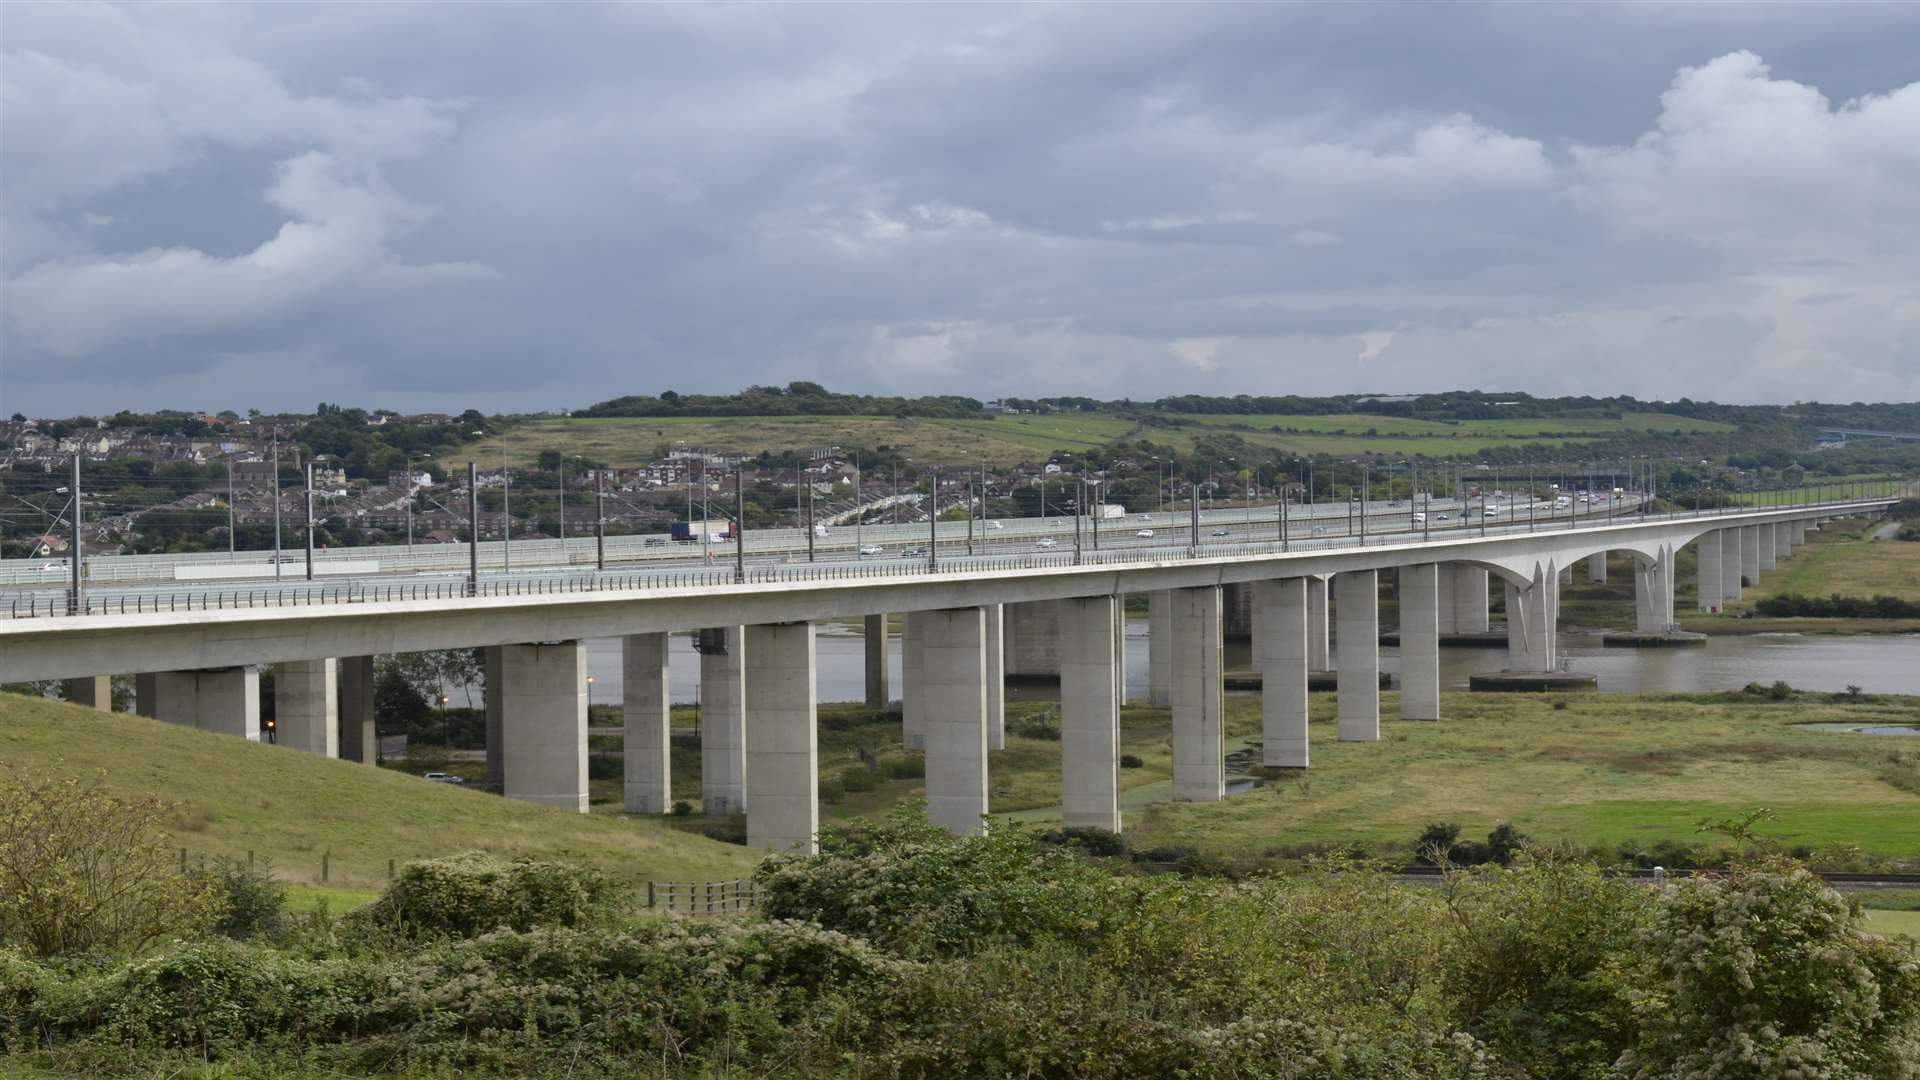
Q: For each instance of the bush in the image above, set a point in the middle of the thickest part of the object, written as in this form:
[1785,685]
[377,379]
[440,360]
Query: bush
[682,808]
[1131,761]
[1837,607]
[1770,973]
[472,893]
[251,902]
[912,767]
[82,870]
[1091,841]
[1035,727]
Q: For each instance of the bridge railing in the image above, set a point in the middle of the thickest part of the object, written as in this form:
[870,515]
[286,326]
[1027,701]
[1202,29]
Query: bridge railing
[346,593]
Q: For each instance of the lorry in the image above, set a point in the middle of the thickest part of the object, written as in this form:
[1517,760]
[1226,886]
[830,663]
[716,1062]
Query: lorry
[714,531]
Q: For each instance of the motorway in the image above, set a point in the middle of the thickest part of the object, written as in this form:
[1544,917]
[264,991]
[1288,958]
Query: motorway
[782,554]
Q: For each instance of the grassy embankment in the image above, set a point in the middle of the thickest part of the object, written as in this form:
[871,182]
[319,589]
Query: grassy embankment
[1361,433]
[235,796]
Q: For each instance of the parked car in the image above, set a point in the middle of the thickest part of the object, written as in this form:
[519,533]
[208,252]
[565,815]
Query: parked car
[1145,534]
[1047,542]
[444,778]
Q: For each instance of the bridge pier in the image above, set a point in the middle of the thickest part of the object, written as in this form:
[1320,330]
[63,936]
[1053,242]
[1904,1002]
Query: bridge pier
[1160,648]
[723,721]
[1236,611]
[1419,642]
[496,771]
[1543,620]
[1319,648]
[1768,553]
[93,691]
[1750,554]
[1357,608]
[1730,572]
[955,715]
[1800,533]
[1090,695]
[1597,568]
[1445,615]
[146,694]
[1653,593]
[359,740]
[1470,601]
[221,700]
[1032,635]
[1280,609]
[913,681]
[783,752]
[997,676]
[306,705]
[646,725]
[1709,575]
[1199,738]
[1782,540]
[874,638]
[543,726]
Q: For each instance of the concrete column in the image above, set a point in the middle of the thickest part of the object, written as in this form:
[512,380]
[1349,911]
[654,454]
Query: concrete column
[1032,633]
[1730,571]
[1236,611]
[496,774]
[1800,533]
[1597,568]
[1160,648]
[1089,715]
[1356,605]
[955,655]
[996,676]
[1319,653]
[1448,615]
[1470,601]
[306,705]
[876,648]
[1750,553]
[1782,540]
[913,682]
[1543,619]
[359,740]
[1199,735]
[1516,627]
[1708,581]
[94,691]
[543,729]
[146,694]
[723,721]
[1768,555]
[783,751]
[222,700]
[646,723]
[1280,609]
[1419,642]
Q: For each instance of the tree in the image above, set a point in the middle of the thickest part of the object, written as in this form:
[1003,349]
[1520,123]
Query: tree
[84,871]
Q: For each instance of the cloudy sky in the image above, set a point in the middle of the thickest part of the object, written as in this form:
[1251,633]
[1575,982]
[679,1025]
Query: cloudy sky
[525,207]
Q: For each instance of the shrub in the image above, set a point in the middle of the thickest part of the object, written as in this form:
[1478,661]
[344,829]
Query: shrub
[1436,842]
[1035,727]
[250,901]
[472,893]
[82,870]
[1131,761]
[1768,973]
[682,808]
[1092,841]
[912,767]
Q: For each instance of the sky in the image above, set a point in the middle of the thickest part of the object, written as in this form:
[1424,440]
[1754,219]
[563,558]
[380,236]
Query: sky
[527,207]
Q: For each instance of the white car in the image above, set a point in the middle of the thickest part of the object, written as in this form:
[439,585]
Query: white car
[993,524]
[1146,517]
[1047,542]
[444,778]
[872,549]
[1145,534]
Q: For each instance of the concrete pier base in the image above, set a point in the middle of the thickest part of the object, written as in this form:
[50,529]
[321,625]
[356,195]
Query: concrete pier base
[646,725]
[1089,714]
[1634,639]
[723,721]
[955,712]
[783,754]
[224,700]
[1199,740]
[1280,607]
[1356,602]
[358,740]
[544,724]
[1419,642]
[306,705]
[1532,681]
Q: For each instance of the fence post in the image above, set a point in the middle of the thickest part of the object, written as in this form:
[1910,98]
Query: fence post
[183,860]
[649,894]
[326,860]
[249,858]
[389,869]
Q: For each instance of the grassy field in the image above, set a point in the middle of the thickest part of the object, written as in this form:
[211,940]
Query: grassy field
[1360,423]
[1864,486]
[235,796]
[1837,559]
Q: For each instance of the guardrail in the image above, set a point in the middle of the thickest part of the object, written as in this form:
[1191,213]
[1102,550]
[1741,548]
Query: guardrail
[46,606]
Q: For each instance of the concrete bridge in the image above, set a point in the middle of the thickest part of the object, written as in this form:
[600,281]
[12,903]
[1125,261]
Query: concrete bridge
[969,623]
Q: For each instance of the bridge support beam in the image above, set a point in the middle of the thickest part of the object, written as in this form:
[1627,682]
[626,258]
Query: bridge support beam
[913,681]
[93,691]
[223,700]
[1750,554]
[723,721]
[1653,593]
[306,705]
[544,724]
[997,675]
[1709,576]
[1199,737]
[875,640]
[1319,647]
[646,725]
[1597,568]
[1730,584]
[359,739]
[1160,648]
[1470,601]
[1280,609]
[1356,604]
[1516,626]
[1769,552]
[1447,617]
[955,714]
[1032,633]
[1543,620]
[783,751]
[1419,642]
[1090,692]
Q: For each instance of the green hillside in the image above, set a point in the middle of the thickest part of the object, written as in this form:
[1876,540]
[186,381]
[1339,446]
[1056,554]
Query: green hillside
[236,796]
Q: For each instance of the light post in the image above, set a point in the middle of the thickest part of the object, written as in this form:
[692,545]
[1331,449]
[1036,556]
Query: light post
[446,731]
[933,520]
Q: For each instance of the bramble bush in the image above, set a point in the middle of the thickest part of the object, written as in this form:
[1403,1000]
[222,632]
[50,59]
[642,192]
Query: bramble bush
[472,893]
